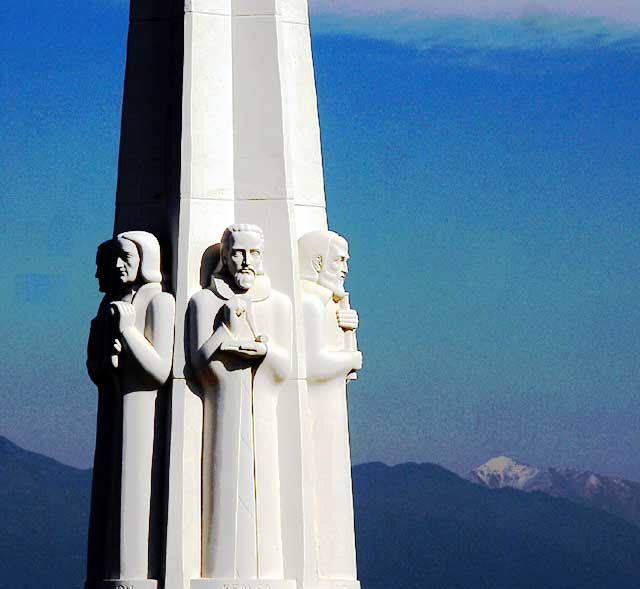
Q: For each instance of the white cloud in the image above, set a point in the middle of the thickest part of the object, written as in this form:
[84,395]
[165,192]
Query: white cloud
[484,24]
[620,11]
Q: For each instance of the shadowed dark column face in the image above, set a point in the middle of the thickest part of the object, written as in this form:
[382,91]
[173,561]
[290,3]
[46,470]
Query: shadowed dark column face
[141,10]
[149,165]
[148,196]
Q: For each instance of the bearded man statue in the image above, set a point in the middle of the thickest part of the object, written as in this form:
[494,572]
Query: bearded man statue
[241,334]
[332,358]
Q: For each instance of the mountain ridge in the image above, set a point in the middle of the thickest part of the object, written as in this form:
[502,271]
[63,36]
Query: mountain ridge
[44,511]
[417,525]
[615,495]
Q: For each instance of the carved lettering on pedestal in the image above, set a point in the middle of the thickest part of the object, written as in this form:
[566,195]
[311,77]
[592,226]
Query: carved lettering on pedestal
[246,586]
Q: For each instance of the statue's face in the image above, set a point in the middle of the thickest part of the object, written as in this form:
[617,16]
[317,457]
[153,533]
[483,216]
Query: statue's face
[127,262]
[243,258]
[334,268]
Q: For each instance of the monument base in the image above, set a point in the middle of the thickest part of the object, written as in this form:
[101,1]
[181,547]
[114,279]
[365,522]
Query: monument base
[338,584]
[128,584]
[242,584]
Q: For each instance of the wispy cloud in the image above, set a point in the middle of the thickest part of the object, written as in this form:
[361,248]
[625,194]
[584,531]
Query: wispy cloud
[620,11]
[539,32]
[484,24]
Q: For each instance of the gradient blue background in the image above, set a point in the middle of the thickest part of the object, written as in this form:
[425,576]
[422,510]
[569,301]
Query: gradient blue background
[486,172]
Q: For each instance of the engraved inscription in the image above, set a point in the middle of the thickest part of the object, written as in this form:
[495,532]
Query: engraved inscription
[246,586]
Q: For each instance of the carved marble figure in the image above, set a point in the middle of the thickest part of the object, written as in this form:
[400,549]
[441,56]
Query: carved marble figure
[98,366]
[241,334]
[129,358]
[332,358]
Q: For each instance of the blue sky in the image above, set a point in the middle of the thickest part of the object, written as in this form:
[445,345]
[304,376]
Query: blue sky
[483,164]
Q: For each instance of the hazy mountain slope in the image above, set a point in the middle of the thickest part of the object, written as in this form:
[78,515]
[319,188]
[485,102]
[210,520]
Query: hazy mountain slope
[418,526]
[423,526]
[613,494]
[44,510]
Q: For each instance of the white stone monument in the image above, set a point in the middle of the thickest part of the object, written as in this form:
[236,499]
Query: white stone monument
[332,359]
[241,352]
[245,477]
[129,358]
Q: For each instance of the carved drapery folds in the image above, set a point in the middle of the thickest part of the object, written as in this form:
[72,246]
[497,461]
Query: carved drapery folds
[332,359]
[240,354]
[241,331]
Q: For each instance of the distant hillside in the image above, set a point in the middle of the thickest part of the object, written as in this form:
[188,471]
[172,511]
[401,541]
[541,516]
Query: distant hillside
[44,511]
[423,526]
[418,526]
[612,494]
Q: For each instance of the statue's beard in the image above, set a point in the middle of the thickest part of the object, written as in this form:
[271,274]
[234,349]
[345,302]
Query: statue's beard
[245,278]
[335,284]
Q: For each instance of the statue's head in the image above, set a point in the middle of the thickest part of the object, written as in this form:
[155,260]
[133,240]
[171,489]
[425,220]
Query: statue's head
[241,250]
[137,258]
[323,259]
[104,267]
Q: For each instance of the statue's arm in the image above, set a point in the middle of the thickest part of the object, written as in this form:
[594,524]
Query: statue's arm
[323,364]
[278,358]
[96,371]
[93,365]
[204,340]
[96,364]
[153,350]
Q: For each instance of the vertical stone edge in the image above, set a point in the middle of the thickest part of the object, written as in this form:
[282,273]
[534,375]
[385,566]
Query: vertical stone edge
[204,208]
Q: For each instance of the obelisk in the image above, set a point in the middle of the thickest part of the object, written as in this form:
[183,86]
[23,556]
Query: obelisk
[220,126]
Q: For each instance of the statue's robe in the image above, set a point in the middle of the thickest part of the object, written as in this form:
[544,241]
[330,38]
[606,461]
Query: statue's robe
[102,374]
[241,516]
[127,429]
[328,364]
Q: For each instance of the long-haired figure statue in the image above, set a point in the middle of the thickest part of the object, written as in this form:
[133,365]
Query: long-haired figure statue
[129,358]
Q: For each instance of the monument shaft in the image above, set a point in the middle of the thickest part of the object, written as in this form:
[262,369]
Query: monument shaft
[220,127]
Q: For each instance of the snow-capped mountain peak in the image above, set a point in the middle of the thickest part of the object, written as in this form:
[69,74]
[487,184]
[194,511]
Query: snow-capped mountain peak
[503,471]
[593,482]
[613,494]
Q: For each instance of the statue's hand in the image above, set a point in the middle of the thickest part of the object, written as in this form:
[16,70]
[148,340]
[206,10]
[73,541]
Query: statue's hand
[234,312]
[348,319]
[124,314]
[357,360]
[245,348]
